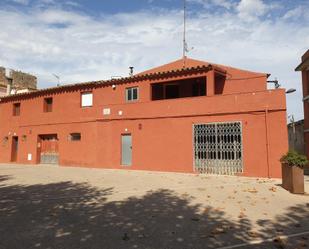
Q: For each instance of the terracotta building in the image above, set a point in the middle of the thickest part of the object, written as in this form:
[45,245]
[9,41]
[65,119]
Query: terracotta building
[303,67]
[185,116]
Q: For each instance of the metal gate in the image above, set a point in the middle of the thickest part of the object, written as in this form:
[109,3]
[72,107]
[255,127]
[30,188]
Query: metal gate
[218,148]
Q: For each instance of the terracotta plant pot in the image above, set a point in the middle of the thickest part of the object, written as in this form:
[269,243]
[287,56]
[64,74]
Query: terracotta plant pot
[293,179]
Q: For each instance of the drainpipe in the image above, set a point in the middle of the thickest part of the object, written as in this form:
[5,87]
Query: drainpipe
[267,143]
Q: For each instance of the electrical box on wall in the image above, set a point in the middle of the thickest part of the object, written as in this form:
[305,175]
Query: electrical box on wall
[106,111]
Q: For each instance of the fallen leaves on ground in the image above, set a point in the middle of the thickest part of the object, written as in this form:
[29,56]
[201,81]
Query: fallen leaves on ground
[241,215]
[253,190]
[206,210]
[253,203]
[273,189]
[219,230]
[219,208]
[253,234]
[280,243]
[201,189]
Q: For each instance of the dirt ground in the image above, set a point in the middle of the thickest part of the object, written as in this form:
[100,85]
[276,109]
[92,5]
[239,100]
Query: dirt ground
[63,208]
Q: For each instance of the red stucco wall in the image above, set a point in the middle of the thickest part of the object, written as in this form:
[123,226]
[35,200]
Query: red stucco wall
[161,130]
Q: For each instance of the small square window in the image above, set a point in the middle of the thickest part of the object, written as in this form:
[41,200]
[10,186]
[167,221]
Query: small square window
[16,109]
[75,136]
[48,104]
[5,141]
[131,94]
[86,99]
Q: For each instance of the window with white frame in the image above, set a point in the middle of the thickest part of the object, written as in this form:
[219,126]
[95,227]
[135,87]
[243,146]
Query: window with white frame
[86,99]
[131,94]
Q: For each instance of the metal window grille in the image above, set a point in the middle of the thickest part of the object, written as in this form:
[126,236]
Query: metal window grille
[218,148]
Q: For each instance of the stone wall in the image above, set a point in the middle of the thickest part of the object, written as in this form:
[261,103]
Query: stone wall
[2,91]
[296,136]
[3,81]
[20,80]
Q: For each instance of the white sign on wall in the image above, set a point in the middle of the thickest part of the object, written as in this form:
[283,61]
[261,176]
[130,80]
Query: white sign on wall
[86,99]
[29,157]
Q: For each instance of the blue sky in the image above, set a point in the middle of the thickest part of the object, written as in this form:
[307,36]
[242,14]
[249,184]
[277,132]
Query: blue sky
[90,40]
[99,7]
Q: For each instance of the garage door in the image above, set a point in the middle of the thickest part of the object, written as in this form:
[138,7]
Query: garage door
[49,149]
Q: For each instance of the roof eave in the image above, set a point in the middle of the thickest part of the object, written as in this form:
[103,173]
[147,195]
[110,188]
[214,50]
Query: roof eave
[94,84]
[303,66]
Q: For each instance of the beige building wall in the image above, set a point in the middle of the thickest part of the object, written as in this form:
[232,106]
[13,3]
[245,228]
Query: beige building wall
[18,80]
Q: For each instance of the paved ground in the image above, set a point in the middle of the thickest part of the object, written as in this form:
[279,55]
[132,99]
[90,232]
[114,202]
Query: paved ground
[55,207]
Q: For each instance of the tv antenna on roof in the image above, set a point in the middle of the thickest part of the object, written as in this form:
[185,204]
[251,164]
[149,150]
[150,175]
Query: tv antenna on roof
[58,79]
[185,48]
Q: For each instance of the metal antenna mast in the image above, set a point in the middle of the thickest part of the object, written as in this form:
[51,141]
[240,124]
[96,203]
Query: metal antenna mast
[184,30]
[58,78]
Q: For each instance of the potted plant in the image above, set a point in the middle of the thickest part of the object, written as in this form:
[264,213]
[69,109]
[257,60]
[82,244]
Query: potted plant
[293,172]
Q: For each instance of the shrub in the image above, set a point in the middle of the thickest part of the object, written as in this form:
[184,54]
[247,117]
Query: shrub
[292,158]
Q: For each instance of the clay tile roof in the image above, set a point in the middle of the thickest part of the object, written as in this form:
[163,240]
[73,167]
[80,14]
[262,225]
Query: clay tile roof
[179,67]
[163,72]
[187,62]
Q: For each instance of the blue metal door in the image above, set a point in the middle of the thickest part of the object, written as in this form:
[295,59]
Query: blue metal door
[126,149]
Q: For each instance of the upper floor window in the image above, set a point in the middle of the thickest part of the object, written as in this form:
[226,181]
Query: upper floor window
[48,104]
[16,109]
[131,94]
[86,99]
[75,136]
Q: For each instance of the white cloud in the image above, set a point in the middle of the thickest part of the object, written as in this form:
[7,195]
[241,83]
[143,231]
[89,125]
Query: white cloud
[297,13]
[249,9]
[210,3]
[79,47]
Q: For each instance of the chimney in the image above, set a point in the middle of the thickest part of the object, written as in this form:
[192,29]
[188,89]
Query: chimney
[9,78]
[131,71]
[8,89]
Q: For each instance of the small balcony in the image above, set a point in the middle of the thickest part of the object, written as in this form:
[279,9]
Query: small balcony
[193,87]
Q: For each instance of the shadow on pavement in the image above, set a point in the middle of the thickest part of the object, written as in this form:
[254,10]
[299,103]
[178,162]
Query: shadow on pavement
[70,215]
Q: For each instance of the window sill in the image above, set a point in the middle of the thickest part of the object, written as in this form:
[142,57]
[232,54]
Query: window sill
[131,101]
